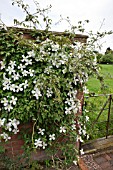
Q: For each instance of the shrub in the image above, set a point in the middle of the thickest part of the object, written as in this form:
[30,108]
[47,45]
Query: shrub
[107,59]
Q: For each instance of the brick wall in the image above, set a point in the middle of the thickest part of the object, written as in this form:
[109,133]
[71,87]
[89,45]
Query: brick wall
[13,147]
[27,34]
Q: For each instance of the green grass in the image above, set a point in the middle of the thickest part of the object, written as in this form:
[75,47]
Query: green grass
[94,104]
[94,85]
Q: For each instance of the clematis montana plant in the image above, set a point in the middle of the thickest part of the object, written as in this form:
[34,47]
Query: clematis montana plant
[42,84]
[39,83]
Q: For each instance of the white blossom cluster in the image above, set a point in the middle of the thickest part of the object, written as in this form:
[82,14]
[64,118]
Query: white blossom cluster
[14,72]
[48,70]
[8,104]
[56,59]
[36,92]
[49,92]
[73,125]
[11,78]
[23,75]
[10,126]
[82,130]
[39,143]
[72,103]
[17,87]
[49,46]
[60,59]
[80,78]
[2,64]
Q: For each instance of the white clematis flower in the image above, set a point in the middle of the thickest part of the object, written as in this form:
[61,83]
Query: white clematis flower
[62,129]
[13,100]
[52,137]
[41,131]
[2,121]
[5,136]
[38,143]
[4,101]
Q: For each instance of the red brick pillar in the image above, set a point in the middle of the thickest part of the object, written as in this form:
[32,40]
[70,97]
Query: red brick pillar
[80,96]
[13,147]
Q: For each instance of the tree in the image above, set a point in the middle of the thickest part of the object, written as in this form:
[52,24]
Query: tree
[107,58]
[108,50]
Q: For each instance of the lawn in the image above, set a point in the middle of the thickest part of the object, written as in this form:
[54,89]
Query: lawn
[94,85]
[94,104]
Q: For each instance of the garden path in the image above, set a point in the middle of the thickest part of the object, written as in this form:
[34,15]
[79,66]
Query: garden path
[98,155]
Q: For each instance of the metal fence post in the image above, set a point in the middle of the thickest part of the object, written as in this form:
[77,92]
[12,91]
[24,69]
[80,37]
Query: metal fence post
[108,119]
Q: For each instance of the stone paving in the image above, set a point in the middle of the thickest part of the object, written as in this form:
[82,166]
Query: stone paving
[98,161]
[98,155]
[105,160]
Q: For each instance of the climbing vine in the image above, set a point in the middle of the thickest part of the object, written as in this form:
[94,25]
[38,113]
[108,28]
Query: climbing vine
[39,83]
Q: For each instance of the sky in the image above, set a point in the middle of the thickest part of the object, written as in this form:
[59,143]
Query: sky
[98,12]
